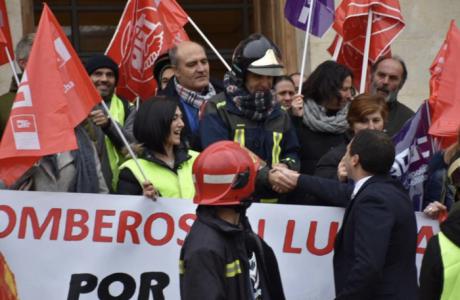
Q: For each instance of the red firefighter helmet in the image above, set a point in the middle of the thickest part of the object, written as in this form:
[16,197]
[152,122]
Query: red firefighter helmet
[224,174]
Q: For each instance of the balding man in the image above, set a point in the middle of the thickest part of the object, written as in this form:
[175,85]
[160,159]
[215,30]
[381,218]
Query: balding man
[388,78]
[191,86]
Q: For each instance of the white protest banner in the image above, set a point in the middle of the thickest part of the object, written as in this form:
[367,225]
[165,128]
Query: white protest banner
[90,246]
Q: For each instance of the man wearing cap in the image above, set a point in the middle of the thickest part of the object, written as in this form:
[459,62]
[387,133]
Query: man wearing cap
[163,71]
[248,113]
[191,86]
[103,71]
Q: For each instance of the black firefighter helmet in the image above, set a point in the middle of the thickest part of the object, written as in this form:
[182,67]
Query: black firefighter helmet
[257,54]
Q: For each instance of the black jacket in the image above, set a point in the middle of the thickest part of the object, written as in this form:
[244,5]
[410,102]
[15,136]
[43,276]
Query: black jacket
[327,165]
[374,252]
[398,114]
[191,138]
[214,261]
[313,145]
[432,271]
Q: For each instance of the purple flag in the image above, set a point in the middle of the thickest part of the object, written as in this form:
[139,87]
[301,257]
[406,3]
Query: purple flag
[296,11]
[414,149]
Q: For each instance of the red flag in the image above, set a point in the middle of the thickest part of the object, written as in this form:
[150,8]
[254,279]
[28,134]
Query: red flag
[351,58]
[147,29]
[48,106]
[351,24]
[5,35]
[445,89]
[3,41]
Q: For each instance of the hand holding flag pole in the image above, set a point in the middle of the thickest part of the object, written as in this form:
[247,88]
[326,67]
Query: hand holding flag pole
[313,16]
[123,138]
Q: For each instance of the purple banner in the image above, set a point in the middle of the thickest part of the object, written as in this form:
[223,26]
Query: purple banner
[414,149]
[297,13]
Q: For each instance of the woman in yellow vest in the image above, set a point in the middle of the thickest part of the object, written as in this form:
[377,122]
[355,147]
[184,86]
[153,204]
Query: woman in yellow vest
[165,159]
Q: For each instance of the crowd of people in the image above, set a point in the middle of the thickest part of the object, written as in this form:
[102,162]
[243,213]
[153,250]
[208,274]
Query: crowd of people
[324,146]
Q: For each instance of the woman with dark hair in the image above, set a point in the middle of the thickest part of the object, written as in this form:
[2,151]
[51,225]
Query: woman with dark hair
[167,163]
[320,119]
[365,112]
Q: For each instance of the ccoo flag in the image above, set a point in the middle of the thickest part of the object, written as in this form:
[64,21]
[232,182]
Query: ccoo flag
[297,11]
[46,108]
[147,29]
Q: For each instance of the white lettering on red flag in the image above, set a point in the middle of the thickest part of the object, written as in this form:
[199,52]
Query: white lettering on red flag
[25,132]
[55,95]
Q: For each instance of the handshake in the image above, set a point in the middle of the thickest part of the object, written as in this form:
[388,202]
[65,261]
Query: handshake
[282,179]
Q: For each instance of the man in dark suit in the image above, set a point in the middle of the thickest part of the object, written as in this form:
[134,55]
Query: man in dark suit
[374,254]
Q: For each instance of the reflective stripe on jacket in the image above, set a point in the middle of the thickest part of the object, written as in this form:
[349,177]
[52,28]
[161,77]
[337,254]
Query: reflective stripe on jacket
[117,111]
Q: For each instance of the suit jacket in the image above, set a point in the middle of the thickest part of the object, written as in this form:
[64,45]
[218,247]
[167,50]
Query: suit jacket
[374,252]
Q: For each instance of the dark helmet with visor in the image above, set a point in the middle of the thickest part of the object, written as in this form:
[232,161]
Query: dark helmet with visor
[257,54]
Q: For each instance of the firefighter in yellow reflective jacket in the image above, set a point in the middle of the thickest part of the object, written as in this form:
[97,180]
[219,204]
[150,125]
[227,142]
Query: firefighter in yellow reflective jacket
[222,258]
[247,112]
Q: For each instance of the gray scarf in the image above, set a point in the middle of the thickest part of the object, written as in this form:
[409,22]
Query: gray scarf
[315,118]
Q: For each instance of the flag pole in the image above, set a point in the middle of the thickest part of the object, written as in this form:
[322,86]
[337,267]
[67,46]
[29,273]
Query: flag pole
[209,43]
[338,47]
[125,141]
[362,87]
[428,112]
[13,69]
[138,101]
[305,45]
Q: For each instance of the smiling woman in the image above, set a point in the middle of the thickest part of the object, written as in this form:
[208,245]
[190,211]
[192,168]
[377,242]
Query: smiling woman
[166,161]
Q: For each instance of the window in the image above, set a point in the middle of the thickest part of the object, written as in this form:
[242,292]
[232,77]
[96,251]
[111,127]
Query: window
[90,24]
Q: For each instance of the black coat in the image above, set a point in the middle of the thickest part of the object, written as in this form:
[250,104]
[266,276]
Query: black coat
[208,261]
[398,114]
[313,144]
[374,252]
[327,165]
